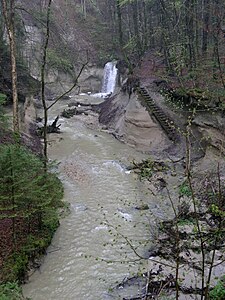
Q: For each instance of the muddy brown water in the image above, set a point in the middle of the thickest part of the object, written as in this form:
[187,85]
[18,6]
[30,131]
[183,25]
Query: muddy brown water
[102,195]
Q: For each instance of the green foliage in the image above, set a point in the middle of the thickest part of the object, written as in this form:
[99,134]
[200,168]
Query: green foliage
[184,190]
[25,188]
[2,98]
[30,195]
[15,266]
[4,51]
[56,61]
[217,211]
[50,221]
[11,291]
[218,292]
[35,245]
[2,117]
[146,173]
[148,167]
[183,221]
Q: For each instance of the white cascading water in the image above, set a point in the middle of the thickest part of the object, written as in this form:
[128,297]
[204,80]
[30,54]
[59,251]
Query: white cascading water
[109,80]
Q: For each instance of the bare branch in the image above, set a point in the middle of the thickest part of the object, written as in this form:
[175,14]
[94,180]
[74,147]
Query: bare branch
[71,88]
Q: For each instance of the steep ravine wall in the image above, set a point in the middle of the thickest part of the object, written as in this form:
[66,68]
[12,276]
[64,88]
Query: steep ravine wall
[132,124]
[127,119]
[58,81]
[71,45]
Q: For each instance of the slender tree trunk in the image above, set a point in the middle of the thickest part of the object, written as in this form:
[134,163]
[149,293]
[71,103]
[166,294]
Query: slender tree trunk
[205,29]
[119,17]
[165,35]
[43,69]
[145,30]
[216,37]
[136,27]
[12,196]
[197,23]
[9,17]
[189,28]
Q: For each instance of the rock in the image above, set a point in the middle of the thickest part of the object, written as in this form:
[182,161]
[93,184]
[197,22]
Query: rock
[37,103]
[142,207]
[130,122]
[80,207]
[68,113]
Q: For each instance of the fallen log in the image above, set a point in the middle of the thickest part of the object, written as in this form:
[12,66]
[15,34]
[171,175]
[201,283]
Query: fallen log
[52,128]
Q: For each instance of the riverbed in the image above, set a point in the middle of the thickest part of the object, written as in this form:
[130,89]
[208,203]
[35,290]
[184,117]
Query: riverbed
[92,249]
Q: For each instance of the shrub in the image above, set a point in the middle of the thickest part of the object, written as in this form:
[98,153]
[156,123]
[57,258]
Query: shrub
[29,199]
[184,190]
[34,191]
[11,291]
[218,292]
[15,267]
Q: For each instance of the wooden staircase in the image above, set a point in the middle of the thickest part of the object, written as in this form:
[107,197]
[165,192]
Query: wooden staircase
[166,123]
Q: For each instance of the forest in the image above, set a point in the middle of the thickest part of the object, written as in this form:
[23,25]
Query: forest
[181,43]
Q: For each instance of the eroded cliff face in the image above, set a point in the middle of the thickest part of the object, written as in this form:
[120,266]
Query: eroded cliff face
[74,41]
[127,119]
[131,123]
[125,116]
[57,80]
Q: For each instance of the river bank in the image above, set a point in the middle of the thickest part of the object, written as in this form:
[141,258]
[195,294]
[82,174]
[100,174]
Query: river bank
[97,184]
[77,148]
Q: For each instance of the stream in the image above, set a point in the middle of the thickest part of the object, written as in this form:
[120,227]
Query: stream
[85,258]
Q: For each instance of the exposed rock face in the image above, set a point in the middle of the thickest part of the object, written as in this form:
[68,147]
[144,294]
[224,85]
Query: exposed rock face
[57,80]
[91,79]
[28,125]
[70,46]
[131,123]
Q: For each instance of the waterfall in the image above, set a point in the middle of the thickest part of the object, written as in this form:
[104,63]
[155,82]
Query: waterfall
[109,80]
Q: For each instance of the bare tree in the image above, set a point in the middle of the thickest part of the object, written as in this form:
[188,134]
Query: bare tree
[43,83]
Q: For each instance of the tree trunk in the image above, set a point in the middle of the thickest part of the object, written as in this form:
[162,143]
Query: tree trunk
[189,29]
[205,29]
[9,16]
[120,32]
[134,6]
[43,68]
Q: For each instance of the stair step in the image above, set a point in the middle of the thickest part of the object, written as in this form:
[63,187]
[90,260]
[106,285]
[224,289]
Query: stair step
[162,118]
[161,114]
[162,121]
[166,123]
